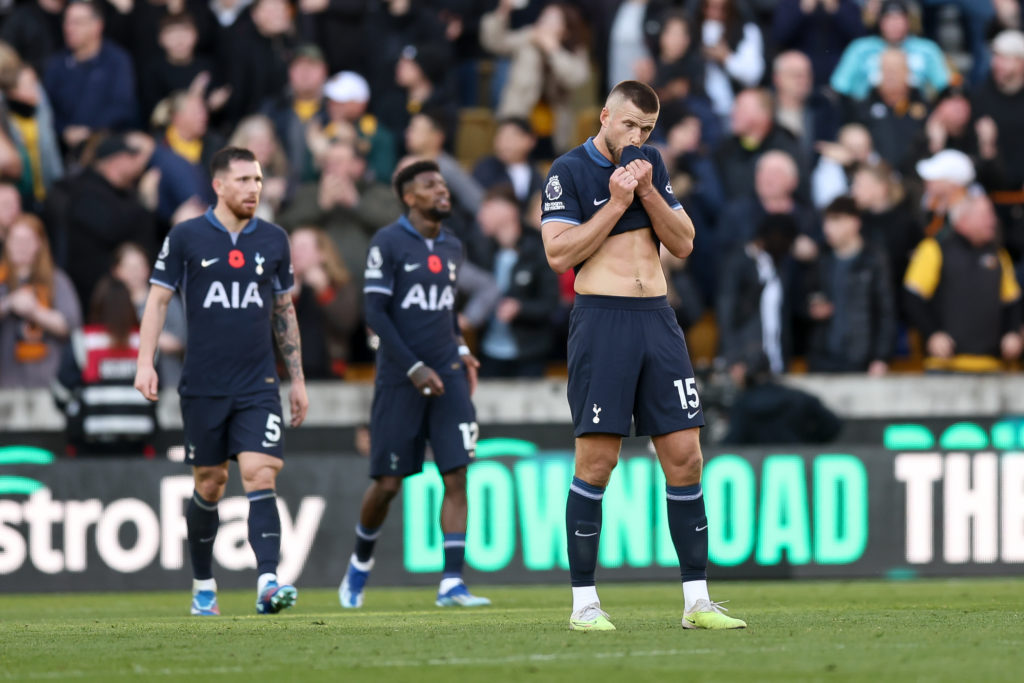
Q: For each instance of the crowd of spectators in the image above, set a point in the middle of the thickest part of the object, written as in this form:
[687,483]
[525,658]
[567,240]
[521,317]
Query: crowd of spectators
[854,168]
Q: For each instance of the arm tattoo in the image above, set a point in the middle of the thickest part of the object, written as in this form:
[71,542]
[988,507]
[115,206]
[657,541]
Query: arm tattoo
[286,334]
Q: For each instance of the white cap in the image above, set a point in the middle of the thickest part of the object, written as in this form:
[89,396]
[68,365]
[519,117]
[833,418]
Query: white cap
[949,164]
[1009,43]
[347,86]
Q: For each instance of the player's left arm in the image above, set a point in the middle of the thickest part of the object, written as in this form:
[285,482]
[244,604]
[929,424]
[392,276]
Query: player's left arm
[286,334]
[670,222]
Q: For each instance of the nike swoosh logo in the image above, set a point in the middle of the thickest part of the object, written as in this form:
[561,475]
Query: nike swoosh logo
[268,444]
[206,263]
[594,533]
[690,416]
[599,203]
[701,528]
[409,267]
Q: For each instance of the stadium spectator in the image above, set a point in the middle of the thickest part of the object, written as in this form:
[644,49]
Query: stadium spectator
[948,180]
[756,298]
[677,69]
[893,112]
[422,74]
[91,83]
[851,299]
[346,203]
[178,67]
[861,67]
[628,55]
[99,211]
[1000,99]
[733,50]
[38,307]
[975,17]
[256,134]
[187,135]
[33,29]
[549,62]
[962,295]
[327,304]
[510,164]
[302,103]
[516,341]
[821,29]
[425,137]
[754,132]
[31,124]
[768,412]
[887,220]
[94,382]
[837,160]
[1007,14]
[131,266]
[347,96]
[266,37]
[805,112]
[775,192]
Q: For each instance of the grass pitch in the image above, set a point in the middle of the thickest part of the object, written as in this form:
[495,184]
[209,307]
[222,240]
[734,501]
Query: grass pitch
[933,630]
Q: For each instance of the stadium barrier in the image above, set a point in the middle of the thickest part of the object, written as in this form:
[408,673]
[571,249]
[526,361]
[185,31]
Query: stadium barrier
[951,504]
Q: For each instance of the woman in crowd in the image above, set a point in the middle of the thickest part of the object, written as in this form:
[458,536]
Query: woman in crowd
[38,307]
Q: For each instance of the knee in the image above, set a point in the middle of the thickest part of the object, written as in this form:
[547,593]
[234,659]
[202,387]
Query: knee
[387,487]
[210,484]
[686,468]
[260,479]
[455,483]
[596,471]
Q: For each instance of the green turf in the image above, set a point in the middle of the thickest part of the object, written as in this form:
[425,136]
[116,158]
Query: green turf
[956,630]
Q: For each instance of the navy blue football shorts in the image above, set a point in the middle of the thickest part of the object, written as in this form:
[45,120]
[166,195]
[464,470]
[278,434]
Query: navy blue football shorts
[220,427]
[628,360]
[402,421]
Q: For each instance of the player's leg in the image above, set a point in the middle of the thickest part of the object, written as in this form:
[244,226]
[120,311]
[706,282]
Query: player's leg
[668,406]
[202,521]
[452,431]
[259,479]
[372,513]
[206,450]
[396,451]
[596,457]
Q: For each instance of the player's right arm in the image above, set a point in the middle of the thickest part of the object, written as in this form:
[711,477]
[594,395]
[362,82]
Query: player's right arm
[568,244]
[153,318]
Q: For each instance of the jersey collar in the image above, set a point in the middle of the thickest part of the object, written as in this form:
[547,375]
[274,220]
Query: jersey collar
[404,221]
[595,155]
[249,227]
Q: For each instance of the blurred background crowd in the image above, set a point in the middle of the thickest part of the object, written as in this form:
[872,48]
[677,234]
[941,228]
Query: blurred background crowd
[854,168]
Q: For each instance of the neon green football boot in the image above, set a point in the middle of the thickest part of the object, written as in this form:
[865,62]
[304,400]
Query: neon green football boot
[710,615]
[590,618]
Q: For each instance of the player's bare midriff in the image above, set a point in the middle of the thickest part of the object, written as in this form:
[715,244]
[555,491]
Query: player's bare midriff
[626,264]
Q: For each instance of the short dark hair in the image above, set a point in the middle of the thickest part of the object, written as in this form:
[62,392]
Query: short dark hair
[842,206]
[179,19]
[640,94]
[94,8]
[405,175]
[222,159]
[520,122]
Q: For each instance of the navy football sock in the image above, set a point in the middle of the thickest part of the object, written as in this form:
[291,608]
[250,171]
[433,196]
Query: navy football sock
[454,555]
[264,529]
[366,539]
[583,530]
[688,526]
[202,520]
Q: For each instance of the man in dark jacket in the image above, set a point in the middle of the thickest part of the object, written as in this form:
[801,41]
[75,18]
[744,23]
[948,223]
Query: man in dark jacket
[517,339]
[1000,100]
[301,104]
[852,303]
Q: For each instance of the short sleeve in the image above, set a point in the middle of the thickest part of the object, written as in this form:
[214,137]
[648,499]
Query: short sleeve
[170,262]
[284,276]
[379,277]
[661,180]
[561,202]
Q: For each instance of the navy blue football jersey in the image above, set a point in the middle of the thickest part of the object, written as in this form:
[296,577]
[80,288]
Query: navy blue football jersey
[419,277]
[228,283]
[577,188]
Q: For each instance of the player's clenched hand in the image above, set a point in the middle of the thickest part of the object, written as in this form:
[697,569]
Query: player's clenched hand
[147,382]
[643,172]
[472,368]
[427,382]
[299,402]
[621,186]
